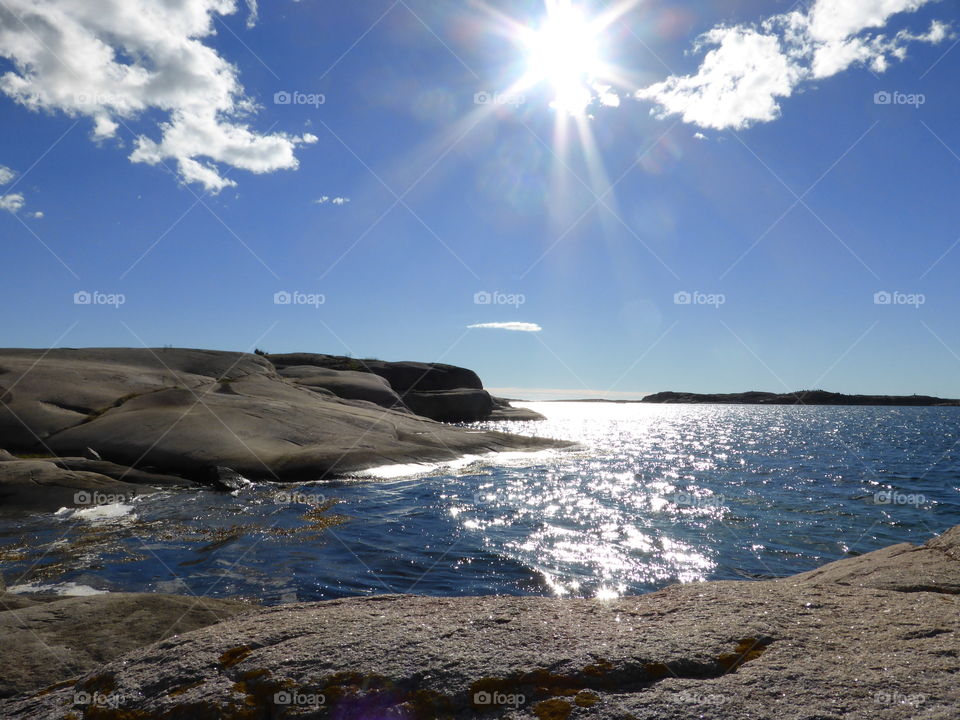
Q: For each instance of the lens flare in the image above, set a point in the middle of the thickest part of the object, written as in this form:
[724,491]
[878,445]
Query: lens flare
[560,61]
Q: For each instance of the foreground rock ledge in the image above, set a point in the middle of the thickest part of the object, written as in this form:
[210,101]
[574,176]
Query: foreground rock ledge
[869,637]
[48,639]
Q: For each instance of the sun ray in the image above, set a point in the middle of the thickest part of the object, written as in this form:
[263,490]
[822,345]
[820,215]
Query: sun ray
[562,59]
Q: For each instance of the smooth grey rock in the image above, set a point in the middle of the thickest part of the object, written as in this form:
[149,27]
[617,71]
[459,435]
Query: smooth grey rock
[10,601]
[121,472]
[403,376]
[515,414]
[41,485]
[504,410]
[49,641]
[426,377]
[186,410]
[440,392]
[461,405]
[268,429]
[779,650]
[5,456]
[346,384]
[904,567]
[61,388]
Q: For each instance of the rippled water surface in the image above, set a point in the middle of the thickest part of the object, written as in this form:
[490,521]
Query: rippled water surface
[653,495]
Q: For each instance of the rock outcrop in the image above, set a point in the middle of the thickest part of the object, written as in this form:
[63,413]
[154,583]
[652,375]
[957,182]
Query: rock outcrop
[173,412]
[843,642]
[47,640]
[346,384]
[46,485]
[446,393]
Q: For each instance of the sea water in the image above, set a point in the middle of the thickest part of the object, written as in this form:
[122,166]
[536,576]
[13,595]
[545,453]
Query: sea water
[651,495]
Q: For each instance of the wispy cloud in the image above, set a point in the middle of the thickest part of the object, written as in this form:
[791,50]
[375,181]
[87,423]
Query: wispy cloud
[514,326]
[327,200]
[750,68]
[253,14]
[117,60]
[6,174]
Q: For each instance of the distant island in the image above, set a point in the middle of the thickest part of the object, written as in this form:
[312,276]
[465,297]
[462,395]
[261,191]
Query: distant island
[756,397]
[802,397]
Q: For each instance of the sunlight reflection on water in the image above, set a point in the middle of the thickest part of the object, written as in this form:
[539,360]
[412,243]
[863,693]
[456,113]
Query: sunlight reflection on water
[662,493]
[652,495]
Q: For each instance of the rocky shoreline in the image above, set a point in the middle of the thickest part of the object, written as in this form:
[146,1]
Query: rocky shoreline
[121,421]
[871,636]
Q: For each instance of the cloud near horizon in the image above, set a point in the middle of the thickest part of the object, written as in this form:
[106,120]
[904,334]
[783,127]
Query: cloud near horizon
[116,60]
[750,68]
[514,326]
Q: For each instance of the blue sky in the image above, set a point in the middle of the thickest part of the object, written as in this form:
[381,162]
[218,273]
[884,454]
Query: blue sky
[756,174]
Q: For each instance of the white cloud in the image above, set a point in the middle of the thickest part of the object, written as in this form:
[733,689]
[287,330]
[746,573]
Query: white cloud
[515,326]
[738,82]
[12,202]
[38,214]
[254,13]
[326,199]
[115,60]
[750,68]
[607,96]
[699,136]
[839,19]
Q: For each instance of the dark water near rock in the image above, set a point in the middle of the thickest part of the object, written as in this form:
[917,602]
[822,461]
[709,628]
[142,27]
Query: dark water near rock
[655,495]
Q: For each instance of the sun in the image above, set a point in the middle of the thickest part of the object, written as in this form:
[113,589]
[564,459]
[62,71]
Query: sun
[564,52]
